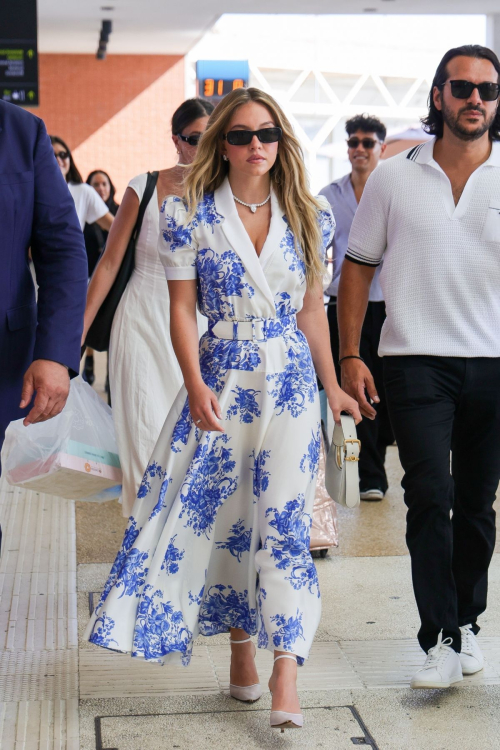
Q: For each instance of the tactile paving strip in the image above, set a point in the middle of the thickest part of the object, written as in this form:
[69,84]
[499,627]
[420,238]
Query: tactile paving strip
[38,622]
[104,674]
[37,571]
[38,675]
[39,725]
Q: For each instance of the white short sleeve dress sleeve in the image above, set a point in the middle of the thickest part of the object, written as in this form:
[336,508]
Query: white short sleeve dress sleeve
[176,243]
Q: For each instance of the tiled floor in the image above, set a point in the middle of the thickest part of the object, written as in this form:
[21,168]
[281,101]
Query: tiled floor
[38,623]
[56,693]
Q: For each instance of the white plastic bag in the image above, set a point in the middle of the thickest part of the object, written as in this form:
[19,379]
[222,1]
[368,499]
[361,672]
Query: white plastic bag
[73,455]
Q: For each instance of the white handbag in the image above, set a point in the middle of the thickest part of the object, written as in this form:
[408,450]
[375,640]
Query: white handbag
[341,470]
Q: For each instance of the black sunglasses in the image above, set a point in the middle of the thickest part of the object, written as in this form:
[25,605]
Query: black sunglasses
[488,92]
[61,155]
[366,142]
[244,137]
[193,140]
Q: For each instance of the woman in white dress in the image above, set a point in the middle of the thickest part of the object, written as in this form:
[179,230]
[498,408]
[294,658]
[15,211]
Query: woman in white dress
[144,375]
[218,539]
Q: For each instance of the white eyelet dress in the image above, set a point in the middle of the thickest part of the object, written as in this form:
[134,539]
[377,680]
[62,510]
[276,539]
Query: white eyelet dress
[219,534]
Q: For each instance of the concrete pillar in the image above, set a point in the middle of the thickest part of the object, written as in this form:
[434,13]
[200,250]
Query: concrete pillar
[493,32]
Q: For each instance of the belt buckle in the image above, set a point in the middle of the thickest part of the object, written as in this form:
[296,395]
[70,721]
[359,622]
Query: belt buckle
[263,330]
[352,441]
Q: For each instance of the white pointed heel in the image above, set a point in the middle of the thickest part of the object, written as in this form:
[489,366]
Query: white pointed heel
[248,693]
[282,719]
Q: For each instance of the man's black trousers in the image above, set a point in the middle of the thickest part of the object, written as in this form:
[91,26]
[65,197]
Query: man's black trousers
[375,435]
[438,405]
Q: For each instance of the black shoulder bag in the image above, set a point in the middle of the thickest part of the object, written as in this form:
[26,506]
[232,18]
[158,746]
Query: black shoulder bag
[99,332]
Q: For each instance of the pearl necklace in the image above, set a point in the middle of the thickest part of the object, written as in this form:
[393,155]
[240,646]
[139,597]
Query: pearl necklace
[252,206]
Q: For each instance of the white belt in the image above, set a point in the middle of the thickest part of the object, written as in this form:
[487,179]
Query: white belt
[258,329]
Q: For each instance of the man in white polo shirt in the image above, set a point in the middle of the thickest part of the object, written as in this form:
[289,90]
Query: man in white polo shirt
[433,215]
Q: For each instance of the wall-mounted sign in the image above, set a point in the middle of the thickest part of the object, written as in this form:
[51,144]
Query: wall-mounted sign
[19,53]
[216,78]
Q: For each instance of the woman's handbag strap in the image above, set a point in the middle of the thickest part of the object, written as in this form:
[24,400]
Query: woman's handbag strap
[151,181]
[352,448]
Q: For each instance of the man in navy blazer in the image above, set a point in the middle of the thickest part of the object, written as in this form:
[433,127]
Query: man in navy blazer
[39,342]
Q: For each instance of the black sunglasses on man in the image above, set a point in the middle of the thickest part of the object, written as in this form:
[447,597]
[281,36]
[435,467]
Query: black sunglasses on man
[488,91]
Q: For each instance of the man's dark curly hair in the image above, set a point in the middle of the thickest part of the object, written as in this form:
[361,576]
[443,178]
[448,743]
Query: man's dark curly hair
[367,124]
[433,123]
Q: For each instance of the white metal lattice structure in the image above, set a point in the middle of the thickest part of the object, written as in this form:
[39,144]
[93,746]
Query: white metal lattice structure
[318,103]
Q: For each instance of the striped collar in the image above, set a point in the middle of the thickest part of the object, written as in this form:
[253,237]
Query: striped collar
[423,153]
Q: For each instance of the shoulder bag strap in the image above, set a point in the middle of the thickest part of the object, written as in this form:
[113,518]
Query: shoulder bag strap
[148,194]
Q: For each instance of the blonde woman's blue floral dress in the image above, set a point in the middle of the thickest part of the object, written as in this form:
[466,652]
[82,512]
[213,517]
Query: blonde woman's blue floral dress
[219,533]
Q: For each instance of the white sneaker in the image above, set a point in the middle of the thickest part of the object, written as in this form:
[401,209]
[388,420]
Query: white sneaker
[442,667]
[471,657]
[372,495]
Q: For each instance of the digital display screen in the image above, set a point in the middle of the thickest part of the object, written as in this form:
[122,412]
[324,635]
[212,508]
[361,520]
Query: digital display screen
[19,52]
[211,88]
[216,78]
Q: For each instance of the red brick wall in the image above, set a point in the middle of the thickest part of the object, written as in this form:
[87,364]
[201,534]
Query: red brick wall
[113,113]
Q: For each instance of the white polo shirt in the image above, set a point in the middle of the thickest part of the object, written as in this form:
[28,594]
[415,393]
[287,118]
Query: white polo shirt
[441,271]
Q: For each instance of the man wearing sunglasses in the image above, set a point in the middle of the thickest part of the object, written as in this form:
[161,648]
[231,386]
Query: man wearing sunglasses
[433,214]
[365,146]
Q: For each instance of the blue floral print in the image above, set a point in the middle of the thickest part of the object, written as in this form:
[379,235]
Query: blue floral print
[223,607]
[245,404]
[327,225]
[206,213]
[152,471]
[284,305]
[102,629]
[173,556]
[288,631]
[290,550]
[238,541]
[160,629]
[182,428]
[220,277]
[310,459]
[218,356]
[293,254]
[262,637]
[178,234]
[131,534]
[198,556]
[196,598]
[133,573]
[296,385]
[161,496]
[207,484]
[260,475]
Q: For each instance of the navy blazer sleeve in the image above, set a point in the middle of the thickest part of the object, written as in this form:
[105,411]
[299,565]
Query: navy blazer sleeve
[60,260]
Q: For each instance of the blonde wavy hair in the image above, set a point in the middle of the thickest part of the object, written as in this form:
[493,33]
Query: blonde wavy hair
[288,175]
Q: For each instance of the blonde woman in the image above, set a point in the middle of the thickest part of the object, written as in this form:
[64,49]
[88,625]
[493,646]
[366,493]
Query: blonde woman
[219,535]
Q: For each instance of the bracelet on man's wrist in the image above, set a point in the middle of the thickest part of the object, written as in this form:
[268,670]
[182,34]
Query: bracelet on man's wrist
[351,356]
